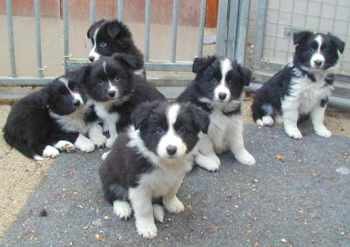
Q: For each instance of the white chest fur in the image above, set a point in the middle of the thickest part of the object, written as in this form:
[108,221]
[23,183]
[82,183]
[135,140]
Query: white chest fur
[73,122]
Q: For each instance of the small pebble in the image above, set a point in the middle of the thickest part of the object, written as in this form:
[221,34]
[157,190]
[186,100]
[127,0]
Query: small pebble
[283,240]
[43,213]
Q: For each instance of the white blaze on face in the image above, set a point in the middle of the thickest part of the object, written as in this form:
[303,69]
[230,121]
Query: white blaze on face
[317,56]
[76,96]
[93,53]
[111,88]
[170,138]
[222,92]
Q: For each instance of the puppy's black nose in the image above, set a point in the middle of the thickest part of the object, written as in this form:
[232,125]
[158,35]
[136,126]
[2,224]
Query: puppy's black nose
[171,150]
[91,58]
[222,96]
[77,103]
[318,63]
[111,93]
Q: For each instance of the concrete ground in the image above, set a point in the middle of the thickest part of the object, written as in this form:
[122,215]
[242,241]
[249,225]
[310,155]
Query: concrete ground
[288,174]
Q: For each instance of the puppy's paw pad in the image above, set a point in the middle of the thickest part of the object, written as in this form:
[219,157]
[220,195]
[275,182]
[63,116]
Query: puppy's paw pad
[174,205]
[50,152]
[122,209]
[158,212]
[65,146]
[146,230]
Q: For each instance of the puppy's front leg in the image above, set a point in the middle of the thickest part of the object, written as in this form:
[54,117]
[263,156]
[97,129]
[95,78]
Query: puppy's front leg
[141,202]
[290,119]
[317,118]
[205,156]
[171,202]
[235,135]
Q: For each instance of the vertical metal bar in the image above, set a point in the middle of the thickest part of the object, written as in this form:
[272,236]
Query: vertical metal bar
[203,9]
[232,28]
[38,37]
[9,10]
[120,9]
[242,30]
[92,11]
[260,30]
[176,8]
[148,16]
[66,32]
[221,34]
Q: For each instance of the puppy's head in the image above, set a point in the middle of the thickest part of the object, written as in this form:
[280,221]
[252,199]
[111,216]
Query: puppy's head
[107,38]
[220,79]
[111,78]
[317,51]
[169,130]
[64,94]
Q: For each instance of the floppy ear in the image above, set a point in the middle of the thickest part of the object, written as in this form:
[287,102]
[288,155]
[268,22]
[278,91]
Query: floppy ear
[338,42]
[142,112]
[201,63]
[113,29]
[131,61]
[92,28]
[79,75]
[246,74]
[200,118]
[299,37]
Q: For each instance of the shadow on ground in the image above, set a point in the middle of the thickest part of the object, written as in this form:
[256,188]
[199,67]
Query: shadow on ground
[293,197]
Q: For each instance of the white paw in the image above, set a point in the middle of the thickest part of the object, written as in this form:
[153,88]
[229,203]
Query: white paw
[99,140]
[50,152]
[158,212]
[65,146]
[260,123]
[294,133]
[146,229]
[122,209]
[323,131]
[267,121]
[245,158]
[110,141]
[84,144]
[174,205]
[211,163]
[38,157]
[104,155]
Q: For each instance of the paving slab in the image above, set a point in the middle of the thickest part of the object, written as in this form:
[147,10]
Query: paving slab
[298,194]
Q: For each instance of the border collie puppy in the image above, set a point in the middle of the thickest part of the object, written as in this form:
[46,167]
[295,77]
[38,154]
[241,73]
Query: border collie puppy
[33,126]
[302,87]
[150,160]
[218,89]
[114,91]
[111,36]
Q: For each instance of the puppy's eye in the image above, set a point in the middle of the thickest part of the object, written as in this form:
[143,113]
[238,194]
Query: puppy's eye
[103,45]
[159,131]
[116,79]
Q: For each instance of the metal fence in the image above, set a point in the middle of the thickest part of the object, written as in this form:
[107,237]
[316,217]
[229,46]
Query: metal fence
[230,39]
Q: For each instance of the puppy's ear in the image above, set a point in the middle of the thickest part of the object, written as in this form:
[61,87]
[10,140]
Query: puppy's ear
[299,37]
[201,63]
[131,61]
[113,28]
[93,27]
[338,42]
[79,75]
[200,118]
[246,74]
[142,112]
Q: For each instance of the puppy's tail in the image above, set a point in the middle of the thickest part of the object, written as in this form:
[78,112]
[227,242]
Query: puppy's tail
[18,144]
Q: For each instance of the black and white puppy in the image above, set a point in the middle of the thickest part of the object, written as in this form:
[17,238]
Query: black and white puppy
[114,91]
[111,36]
[150,160]
[302,87]
[34,126]
[218,89]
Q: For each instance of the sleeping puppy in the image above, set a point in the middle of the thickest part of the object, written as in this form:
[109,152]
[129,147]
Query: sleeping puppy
[112,36]
[218,89]
[149,161]
[114,91]
[34,126]
[302,87]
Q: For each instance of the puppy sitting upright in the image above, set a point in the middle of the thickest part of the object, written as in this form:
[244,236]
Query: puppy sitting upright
[114,91]
[218,89]
[302,87]
[150,161]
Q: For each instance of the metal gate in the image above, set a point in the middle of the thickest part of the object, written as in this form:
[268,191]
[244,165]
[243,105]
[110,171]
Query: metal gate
[230,37]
